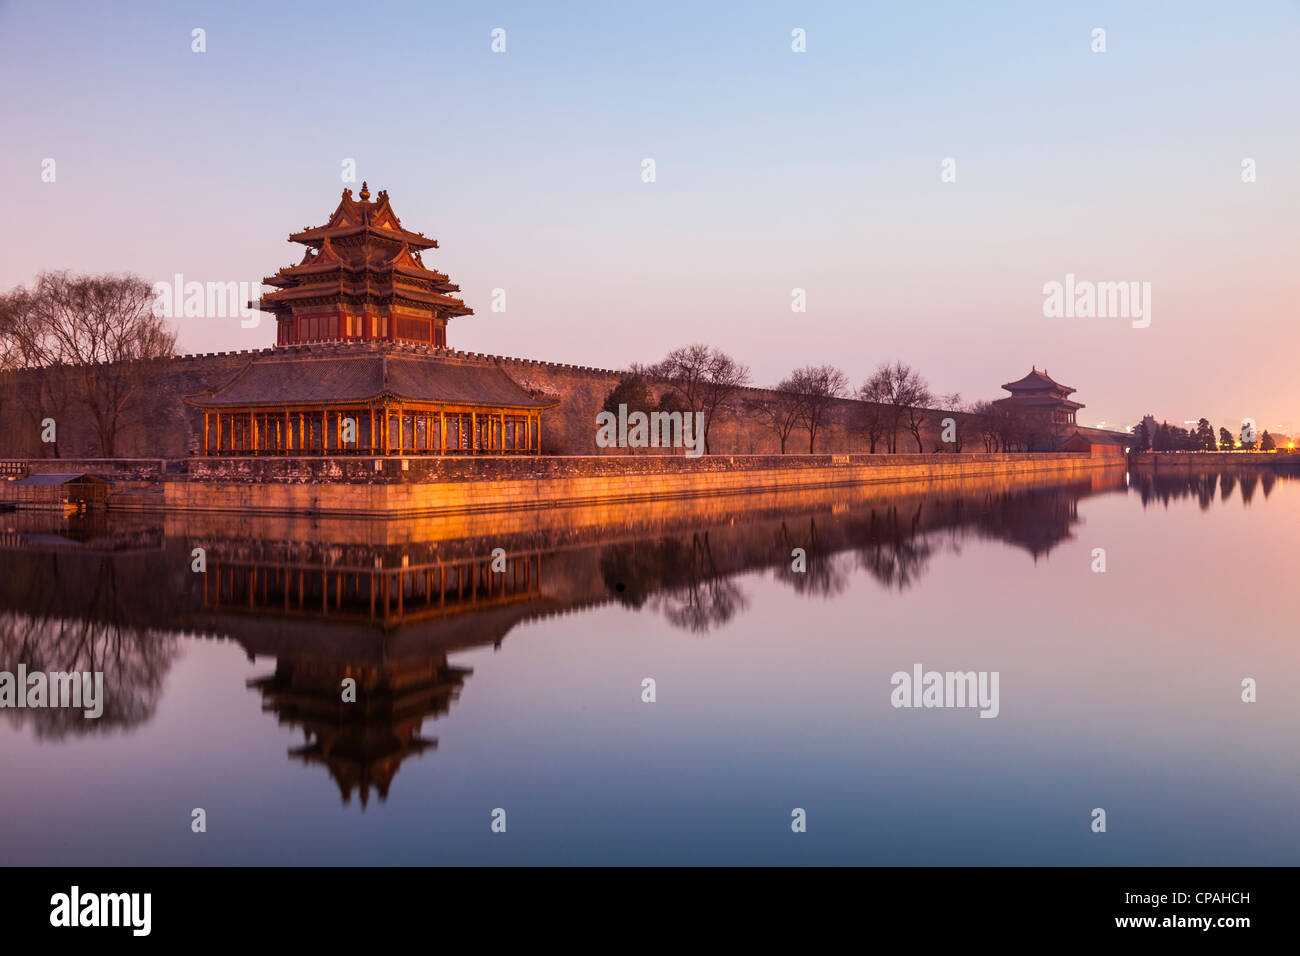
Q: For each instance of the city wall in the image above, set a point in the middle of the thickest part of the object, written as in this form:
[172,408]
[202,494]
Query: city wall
[1215,459]
[156,423]
[395,487]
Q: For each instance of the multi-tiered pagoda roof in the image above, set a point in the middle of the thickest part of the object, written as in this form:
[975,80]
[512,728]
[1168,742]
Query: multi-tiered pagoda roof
[361,278]
[1038,394]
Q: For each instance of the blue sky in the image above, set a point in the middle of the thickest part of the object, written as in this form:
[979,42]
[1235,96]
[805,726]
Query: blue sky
[775,170]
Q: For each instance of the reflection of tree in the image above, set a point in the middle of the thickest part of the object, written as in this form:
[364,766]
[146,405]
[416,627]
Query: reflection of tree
[1205,487]
[826,574]
[1267,480]
[133,661]
[894,553]
[678,577]
[1164,486]
[78,617]
[1248,483]
[701,605]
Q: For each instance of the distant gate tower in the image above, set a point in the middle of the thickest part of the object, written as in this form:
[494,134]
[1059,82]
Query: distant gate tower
[362,279]
[1042,398]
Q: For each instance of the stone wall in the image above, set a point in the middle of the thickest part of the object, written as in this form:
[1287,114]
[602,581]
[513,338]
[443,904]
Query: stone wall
[433,486]
[154,423]
[157,423]
[1217,459]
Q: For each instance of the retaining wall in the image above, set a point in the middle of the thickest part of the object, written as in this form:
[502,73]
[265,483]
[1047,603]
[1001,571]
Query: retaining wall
[332,486]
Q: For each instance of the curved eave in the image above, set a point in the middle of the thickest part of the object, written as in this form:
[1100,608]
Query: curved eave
[321,233]
[211,404]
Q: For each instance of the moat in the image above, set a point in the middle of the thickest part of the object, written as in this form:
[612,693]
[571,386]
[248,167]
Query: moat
[514,680]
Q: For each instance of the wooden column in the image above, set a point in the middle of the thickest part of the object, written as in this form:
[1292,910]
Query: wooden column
[474,440]
[252,433]
[205,433]
[372,429]
[442,431]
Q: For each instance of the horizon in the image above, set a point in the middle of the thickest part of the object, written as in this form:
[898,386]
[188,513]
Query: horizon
[775,171]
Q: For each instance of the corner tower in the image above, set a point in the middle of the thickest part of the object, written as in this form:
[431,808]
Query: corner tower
[362,278]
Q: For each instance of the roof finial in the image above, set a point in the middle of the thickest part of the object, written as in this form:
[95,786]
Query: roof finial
[365,192]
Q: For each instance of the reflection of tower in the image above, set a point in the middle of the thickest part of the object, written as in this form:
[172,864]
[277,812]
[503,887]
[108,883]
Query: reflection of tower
[381,619]
[1038,521]
[362,744]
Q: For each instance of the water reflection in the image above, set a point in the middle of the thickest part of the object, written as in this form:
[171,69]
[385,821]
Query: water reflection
[361,744]
[384,603]
[1164,486]
[74,597]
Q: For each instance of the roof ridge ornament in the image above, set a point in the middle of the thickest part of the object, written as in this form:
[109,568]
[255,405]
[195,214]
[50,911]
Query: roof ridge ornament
[365,191]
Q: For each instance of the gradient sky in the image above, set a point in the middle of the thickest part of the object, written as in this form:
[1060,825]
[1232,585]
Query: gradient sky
[775,170]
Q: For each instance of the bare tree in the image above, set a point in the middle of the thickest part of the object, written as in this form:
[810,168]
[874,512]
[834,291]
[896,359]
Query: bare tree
[918,402]
[705,377]
[906,396]
[633,392]
[779,411]
[984,417]
[29,344]
[816,388]
[873,417]
[1017,430]
[952,404]
[879,388]
[102,327]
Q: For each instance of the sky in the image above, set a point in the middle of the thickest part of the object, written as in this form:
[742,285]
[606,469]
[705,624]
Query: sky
[775,170]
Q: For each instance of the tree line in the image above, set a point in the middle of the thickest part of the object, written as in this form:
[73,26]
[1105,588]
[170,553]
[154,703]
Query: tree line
[894,408]
[1148,436]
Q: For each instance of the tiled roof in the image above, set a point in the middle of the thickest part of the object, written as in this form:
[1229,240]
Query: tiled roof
[362,378]
[1038,401]
[1036,380]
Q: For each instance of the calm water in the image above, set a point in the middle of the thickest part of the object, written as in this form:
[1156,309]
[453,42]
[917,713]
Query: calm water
[523,690]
